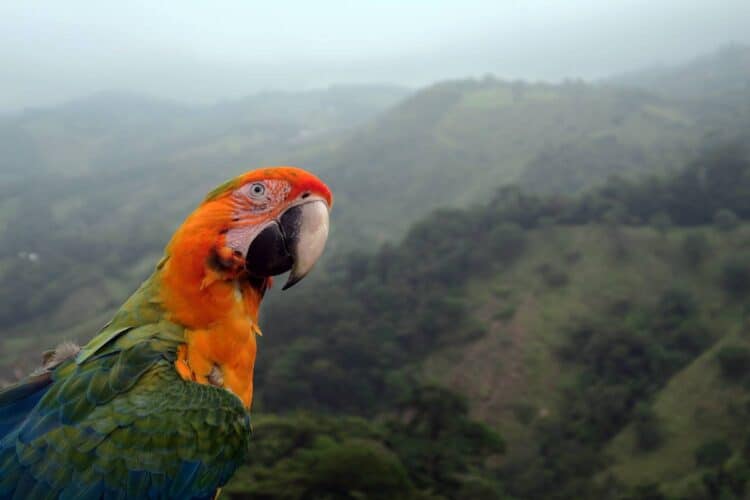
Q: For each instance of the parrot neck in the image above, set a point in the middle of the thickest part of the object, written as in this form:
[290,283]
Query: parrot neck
[217,306]
[201,280]
[197,295]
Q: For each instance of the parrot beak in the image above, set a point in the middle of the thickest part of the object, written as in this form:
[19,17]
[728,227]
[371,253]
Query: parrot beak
[292,243]
[306,229]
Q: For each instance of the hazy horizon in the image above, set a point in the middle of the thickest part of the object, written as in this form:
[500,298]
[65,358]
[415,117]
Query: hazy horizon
[197,55]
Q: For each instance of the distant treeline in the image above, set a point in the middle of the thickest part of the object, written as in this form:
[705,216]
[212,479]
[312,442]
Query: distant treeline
[718,182]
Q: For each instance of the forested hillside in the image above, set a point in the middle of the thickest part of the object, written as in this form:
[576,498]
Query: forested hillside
[453,143]
[602,336]
[115,132]
[530,290]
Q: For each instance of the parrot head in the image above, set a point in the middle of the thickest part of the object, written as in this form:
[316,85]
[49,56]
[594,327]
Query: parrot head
[260,224]
[276,220]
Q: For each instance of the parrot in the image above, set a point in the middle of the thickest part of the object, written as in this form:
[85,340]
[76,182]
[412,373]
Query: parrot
[157,404]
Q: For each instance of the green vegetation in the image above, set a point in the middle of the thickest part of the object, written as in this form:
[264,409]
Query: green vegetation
[580,335]
[453,143]
[648,430]
[696,248]
[426,448]
[713,453]
[734,361]
[735,276]
[622,364]
[609,316]
[726,220]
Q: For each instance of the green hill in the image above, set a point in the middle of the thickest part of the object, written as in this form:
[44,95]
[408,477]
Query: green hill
[602,336]
[453,143]
[516,379]
[713,89]
[699,405]
[117,132]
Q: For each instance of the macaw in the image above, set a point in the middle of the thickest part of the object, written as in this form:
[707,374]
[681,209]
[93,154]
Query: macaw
[157,404]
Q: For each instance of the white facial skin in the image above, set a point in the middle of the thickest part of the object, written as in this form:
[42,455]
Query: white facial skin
[252,202]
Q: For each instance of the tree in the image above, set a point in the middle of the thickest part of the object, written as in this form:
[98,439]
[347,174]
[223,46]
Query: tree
[734,361]
[437,441]
[712,453]
[735,277]
[661,221]
[352,469]
[726,220]
[696,247]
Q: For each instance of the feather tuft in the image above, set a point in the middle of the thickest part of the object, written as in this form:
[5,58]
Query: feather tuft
[57,356]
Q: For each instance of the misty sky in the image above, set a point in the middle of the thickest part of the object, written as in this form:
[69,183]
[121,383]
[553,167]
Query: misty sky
[200,51]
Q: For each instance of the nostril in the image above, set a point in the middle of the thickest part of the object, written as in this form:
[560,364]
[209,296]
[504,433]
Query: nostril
[305,195]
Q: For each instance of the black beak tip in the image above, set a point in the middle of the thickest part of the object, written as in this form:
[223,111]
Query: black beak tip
[293,280]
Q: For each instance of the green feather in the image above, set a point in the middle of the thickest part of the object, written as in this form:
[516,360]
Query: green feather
[118,420]
[105,336]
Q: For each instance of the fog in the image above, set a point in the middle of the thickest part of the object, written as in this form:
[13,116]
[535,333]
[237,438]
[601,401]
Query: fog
[193,52]
[530,289]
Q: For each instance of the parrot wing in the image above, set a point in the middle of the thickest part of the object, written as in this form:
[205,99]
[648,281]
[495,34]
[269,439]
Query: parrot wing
[18,400]
[120,423]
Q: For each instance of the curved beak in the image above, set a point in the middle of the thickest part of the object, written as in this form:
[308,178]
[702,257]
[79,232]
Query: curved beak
[292,243]
[306,230]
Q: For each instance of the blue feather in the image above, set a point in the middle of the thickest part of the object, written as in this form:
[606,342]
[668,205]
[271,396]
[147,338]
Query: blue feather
[18,400]
[184,480]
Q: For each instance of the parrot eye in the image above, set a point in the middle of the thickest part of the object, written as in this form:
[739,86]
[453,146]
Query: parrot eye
[257,190]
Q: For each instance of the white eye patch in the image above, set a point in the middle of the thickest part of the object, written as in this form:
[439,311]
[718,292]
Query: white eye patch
[262,196]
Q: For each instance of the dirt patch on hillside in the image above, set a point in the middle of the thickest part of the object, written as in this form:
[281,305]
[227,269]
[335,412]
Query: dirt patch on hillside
[491,371]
